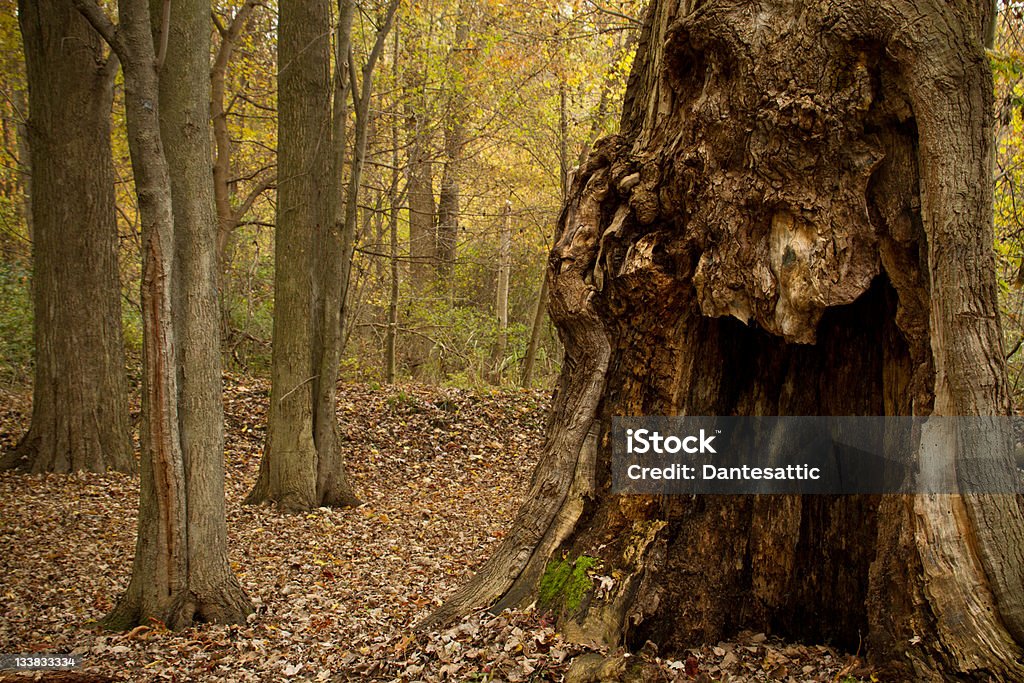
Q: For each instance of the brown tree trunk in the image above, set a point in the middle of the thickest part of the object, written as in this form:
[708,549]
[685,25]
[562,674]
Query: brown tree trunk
[422,211]
[180,574]
[420,199]
[227,218]
[288,470]
[214,593]
[539,313]
[24,161]
[394,202]
[80,396]
[501,303]
[302,467]
[448,208]
[795,219]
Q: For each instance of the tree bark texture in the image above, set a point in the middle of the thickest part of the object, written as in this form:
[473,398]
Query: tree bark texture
[180,573]
[288,471]
[420,192]
[302,466]
[795,219]
[215,594]
[501,303]
[80,395]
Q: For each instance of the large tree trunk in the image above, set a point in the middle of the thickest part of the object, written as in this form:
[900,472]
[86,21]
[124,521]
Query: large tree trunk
[214,593]
[288,471]
[180,574]
[80,397]
[795,219]
[302,467]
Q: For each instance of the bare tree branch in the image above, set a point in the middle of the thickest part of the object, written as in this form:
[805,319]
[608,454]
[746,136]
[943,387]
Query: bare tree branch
[95,15]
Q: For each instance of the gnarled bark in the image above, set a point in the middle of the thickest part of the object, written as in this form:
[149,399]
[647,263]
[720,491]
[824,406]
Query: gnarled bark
[795,219]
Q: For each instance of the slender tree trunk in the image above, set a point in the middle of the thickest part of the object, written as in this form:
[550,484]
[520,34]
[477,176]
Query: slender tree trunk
[454,140]
[334,240]
[180,573]
[420,198]
[228,215]
[504,266]
[539,312]
[795,219]
[390,356]
[80,401]
[422,209]
[540,309]
[25,162]
[227,219]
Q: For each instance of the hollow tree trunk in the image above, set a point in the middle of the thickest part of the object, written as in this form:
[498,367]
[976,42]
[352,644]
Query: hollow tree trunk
[180,572]
[80,395]
[795,219]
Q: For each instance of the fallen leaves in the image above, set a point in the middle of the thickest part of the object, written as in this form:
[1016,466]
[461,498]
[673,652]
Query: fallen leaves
[325,584]
[336,592]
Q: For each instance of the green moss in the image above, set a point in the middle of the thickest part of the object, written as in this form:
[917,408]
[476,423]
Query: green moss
[552,582]
[566,583]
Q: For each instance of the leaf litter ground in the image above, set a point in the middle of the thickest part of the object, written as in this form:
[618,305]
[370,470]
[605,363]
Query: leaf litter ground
[441,473]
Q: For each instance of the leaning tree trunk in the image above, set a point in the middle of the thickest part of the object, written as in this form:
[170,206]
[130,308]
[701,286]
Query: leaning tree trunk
[795,219]
[80,395]
[180,573]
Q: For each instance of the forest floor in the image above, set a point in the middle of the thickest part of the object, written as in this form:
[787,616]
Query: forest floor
[441,473]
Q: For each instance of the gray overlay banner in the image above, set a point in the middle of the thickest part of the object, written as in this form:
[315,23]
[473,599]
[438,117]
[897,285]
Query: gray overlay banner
[814,455]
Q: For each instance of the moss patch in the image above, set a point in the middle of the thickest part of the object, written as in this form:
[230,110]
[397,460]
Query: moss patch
[566,583]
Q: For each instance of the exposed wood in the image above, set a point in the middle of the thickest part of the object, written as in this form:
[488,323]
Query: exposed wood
[180,572]
[793,220]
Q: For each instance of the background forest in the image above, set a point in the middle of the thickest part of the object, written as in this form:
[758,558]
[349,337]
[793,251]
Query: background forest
[478,112]
[491,105]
